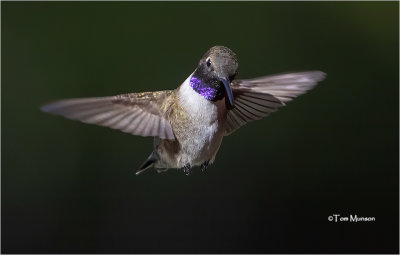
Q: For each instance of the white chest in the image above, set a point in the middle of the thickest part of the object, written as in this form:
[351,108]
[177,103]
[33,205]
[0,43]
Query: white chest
[205,129]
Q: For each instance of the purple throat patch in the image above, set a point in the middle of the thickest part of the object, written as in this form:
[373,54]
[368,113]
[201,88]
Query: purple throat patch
[203,89]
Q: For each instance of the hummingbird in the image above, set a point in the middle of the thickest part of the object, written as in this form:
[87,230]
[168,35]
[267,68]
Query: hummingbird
[189,122]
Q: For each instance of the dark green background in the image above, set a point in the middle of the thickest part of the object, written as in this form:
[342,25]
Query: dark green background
[70,187]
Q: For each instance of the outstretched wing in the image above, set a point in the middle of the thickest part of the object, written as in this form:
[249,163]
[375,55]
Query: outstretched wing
[257,98]
[136,113]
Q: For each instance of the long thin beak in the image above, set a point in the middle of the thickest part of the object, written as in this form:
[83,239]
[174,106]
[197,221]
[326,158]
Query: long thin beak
[228,92]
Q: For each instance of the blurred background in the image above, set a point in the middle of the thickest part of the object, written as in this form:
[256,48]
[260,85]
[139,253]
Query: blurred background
[68,187]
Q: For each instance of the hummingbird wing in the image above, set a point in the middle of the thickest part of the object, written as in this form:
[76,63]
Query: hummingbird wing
[135,113]
[257,98]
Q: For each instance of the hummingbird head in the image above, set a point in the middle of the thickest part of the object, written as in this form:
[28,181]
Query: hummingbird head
[212,77]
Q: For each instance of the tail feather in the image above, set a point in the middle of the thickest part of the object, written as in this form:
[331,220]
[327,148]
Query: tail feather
[148,163]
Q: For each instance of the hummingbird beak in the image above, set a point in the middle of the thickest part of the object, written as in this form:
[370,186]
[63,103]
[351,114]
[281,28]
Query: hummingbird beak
[228,92]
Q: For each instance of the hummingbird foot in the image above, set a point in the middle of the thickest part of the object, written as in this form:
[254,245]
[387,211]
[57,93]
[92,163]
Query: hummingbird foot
[187,169]
[205,165]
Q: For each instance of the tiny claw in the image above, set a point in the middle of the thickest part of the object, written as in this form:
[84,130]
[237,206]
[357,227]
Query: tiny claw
[187,169]
[204,165]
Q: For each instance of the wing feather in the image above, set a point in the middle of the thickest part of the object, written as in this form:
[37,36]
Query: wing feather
[259,97]
[135,113]
[140,127]
[115,119]
[132,127]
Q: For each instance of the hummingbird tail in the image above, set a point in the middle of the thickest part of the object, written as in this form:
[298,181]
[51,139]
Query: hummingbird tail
[148,163]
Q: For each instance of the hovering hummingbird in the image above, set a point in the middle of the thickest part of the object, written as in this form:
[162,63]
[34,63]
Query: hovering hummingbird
[189,123]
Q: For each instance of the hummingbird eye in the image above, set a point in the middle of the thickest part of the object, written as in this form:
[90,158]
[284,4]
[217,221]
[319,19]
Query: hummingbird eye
[208,62]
